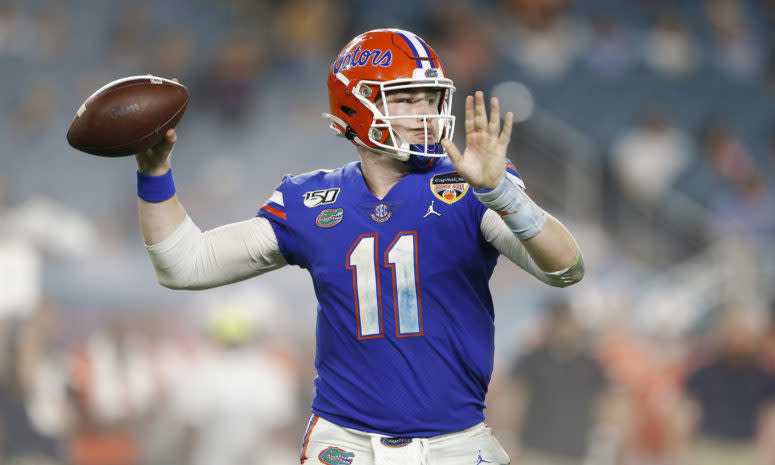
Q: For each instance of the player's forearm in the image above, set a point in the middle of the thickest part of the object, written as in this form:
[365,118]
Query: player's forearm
[497,233]
[549,244]
[161,216]
[553,249]
[536,241]
[158,220]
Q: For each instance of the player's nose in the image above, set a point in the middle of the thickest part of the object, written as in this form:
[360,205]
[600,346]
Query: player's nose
[425,107]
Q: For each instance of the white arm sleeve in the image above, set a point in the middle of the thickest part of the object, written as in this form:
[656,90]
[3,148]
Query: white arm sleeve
[191,259]
[497,233]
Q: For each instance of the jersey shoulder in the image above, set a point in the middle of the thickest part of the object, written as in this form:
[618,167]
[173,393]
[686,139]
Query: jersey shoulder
[311,189]
[313,177]
[318,179]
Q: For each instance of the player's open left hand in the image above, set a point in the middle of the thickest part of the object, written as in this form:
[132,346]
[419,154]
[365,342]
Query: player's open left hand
[484,160]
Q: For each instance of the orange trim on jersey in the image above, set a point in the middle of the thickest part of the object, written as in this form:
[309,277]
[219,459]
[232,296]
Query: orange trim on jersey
[509,164]
[417,283]
[312,424]
[274,211]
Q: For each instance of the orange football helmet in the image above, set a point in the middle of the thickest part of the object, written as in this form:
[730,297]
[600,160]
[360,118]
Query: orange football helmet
[381,61]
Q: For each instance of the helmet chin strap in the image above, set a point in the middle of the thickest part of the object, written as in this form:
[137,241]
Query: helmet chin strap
[405,149]
[415,162]
[398,155]
[401,153]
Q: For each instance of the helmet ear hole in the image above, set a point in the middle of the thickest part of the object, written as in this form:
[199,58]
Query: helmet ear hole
[348,111]
[376,134]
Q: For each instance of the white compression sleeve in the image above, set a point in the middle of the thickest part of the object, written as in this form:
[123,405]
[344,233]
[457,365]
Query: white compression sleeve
[497,233]
[519,212]
[191,259]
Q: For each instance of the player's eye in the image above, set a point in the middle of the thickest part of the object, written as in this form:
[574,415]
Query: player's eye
[400,99]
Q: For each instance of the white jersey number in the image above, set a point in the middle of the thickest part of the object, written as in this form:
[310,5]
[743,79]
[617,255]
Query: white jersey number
[401,257]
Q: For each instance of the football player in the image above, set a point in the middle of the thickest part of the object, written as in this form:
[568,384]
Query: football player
[400,246]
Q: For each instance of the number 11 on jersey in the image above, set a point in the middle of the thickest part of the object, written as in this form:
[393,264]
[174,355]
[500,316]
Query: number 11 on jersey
[401,257]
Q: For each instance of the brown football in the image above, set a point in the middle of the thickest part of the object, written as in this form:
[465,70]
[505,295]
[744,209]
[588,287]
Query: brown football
[127,116]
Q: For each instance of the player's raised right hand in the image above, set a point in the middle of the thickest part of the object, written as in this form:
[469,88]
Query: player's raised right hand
[156,160]
[483,162]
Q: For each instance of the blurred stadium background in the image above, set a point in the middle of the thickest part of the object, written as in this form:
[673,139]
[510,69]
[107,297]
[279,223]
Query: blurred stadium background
[645,125]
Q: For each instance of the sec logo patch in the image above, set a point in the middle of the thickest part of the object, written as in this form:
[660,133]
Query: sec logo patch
[381,213]
[449,187]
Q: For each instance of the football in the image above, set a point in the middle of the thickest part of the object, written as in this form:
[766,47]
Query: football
[127,116]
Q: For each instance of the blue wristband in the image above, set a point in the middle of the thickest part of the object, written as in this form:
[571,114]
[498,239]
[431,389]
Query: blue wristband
[155,188]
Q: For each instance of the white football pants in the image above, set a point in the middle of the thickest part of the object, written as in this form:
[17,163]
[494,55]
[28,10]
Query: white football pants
[330,444]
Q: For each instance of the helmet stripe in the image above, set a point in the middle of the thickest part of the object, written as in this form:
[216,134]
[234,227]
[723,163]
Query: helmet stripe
[428,51]
[411,45]
[418,49]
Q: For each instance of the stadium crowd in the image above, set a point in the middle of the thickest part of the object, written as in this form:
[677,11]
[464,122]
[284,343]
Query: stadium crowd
[645,124]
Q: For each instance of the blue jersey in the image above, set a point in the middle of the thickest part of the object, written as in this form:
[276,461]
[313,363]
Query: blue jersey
[405,316]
